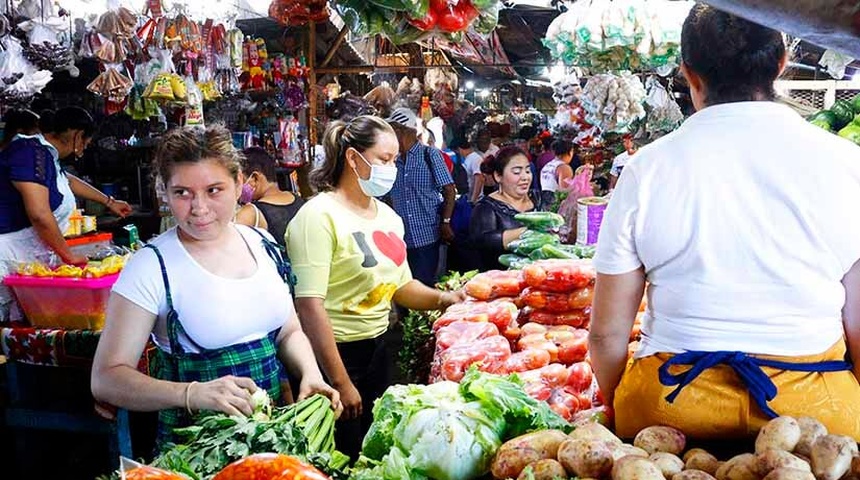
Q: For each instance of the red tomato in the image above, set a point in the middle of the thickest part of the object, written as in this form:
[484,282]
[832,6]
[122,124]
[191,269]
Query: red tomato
[577,318]
[538,342]
[439,6]
[538,391]
[468,9]
[527,360]
[452,20]
[260,465]
[534,275]
[462,331]
[573,350]
[581,299]
[301,471]
[151,473]
[427,23]
[562,411]
[554,375]
[478,288]
[584,402]
[581,376]
[532,328]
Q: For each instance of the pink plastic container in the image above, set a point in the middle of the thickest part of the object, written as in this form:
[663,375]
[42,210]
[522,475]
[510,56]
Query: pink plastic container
[70,303]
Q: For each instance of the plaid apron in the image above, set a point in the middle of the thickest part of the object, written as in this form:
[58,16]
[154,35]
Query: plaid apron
[257,360]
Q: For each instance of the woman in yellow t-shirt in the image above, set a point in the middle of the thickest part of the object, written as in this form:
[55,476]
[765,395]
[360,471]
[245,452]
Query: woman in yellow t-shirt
[349,257]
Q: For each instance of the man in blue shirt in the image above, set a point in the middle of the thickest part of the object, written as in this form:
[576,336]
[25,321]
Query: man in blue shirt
[423,196]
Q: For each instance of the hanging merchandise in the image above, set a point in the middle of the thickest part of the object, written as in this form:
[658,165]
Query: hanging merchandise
[167,85]
[614,102]
[194,109]
[664,114]
[405,21]
[47,42]
[615,35]
[19,79]
[290,144]
[298,12]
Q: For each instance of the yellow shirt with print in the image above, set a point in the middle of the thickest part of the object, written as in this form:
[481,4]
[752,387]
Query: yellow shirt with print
[353,263]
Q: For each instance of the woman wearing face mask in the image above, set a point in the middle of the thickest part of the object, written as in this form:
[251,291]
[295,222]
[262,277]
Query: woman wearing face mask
[493,226]
[266,206]
[349,258]
[37,197]
[182,291]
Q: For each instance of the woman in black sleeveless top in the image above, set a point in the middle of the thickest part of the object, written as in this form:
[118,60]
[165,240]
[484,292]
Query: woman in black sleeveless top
[271,208]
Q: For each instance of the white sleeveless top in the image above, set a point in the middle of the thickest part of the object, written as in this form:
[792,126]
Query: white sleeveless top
[548,176]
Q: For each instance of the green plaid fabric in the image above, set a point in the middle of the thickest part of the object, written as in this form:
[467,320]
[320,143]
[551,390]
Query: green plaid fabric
[257,360]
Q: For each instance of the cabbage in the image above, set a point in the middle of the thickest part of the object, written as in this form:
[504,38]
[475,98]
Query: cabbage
[448,431]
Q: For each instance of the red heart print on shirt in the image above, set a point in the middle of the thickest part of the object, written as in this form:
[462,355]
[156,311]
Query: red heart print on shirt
[391,246]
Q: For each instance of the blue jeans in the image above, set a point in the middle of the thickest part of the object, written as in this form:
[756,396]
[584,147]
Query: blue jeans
[423,262]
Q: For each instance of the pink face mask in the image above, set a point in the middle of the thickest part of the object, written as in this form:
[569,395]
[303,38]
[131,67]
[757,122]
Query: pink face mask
[247,195]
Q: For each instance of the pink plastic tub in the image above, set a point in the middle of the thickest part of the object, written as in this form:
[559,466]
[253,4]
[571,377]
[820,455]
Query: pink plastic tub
[70,303]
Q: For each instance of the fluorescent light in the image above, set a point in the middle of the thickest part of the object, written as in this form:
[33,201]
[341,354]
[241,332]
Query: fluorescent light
[470,85]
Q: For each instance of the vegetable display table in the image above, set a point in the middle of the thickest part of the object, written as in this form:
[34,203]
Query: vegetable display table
[48,386]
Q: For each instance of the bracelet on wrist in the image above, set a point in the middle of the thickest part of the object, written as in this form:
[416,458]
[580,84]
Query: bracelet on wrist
[110,200]
[188,397]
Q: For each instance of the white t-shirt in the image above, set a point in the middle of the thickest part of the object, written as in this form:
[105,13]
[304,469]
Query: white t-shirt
[215,311]
[619,163]
[745,222]
[549,176]
[472,164]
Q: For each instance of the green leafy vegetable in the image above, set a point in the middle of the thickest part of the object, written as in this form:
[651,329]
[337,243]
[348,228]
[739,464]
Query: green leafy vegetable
[448,431]
[304,429]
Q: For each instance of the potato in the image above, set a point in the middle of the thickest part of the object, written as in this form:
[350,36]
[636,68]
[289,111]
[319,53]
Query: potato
[546,469]
[586,458]
[594,431]
[832,456]
[624,450]
[703,461]
[787,473]
[810,430]
[515,454]
[667,463]
[689,453]
[635,468]
[772,459]
[855,466]
[738,468]
[693,475]
[660,439]
[781,433]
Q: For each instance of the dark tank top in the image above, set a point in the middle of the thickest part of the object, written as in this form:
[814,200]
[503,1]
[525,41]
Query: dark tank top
[278,216]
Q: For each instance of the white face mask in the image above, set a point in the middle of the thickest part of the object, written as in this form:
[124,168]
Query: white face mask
[382,178]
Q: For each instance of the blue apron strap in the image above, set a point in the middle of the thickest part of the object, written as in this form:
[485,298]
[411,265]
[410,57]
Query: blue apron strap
[273,250]
[747,367]
[174,326]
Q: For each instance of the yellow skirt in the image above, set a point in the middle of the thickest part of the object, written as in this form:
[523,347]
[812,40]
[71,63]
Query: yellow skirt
[717,405]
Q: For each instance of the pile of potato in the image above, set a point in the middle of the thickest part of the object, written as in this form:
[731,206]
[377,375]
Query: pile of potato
[785,449]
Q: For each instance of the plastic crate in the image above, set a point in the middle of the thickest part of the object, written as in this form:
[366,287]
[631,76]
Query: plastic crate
[70,303]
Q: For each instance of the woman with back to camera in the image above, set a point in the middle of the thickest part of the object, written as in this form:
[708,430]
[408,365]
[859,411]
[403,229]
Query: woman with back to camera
[751,265]
[268,207]
[210,294]
[349,258]
[493,226]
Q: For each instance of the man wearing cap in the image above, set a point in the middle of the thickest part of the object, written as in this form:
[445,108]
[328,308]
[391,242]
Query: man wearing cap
[423,196]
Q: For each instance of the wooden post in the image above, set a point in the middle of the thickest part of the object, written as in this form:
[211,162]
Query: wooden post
[332,50]
[303,172]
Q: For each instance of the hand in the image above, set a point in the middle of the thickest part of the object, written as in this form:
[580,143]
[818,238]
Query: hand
[450,298]
[351,401]
[75,259]
[120,208]
[230,395]
[446,232]
[311,385]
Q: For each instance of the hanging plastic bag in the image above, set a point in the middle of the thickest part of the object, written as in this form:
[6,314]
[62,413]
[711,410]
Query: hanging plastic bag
[577,187]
